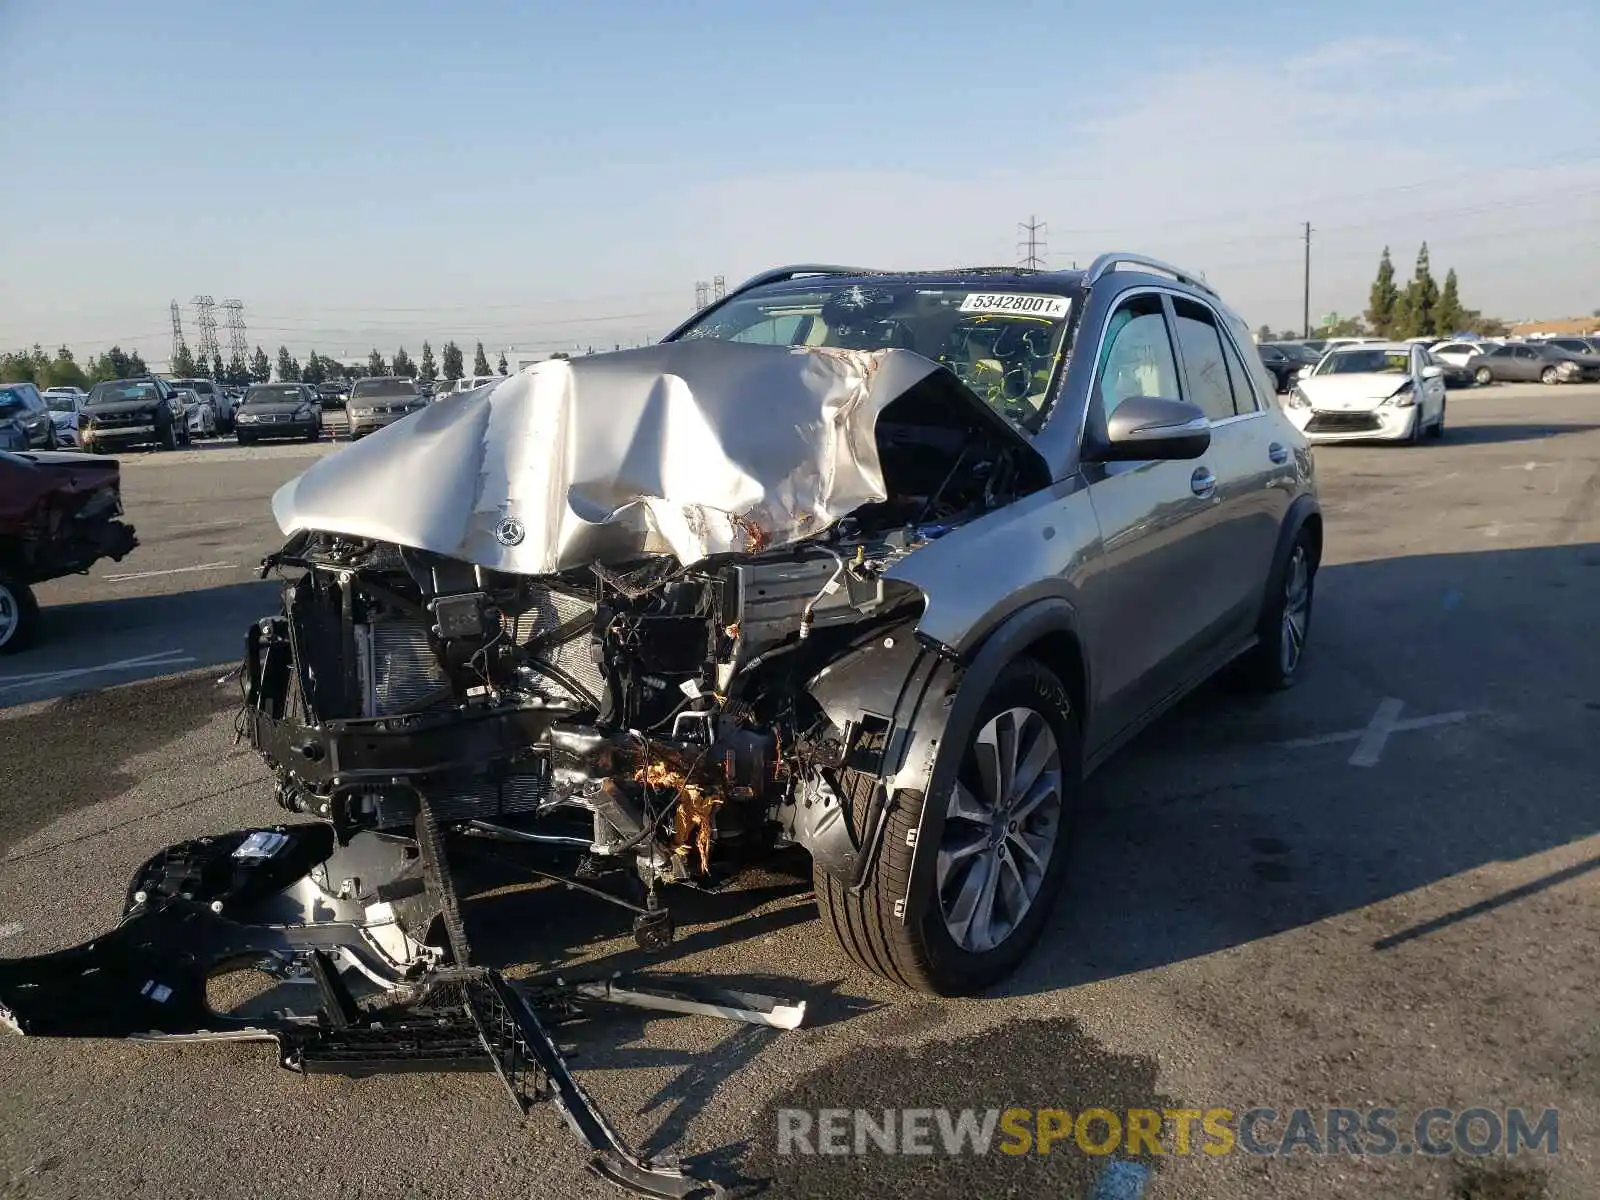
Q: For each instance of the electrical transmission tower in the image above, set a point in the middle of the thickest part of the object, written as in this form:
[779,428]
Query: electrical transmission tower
[206,317]
[1032,247]
[177,332]
[702,294]
[719,288]
[238,343]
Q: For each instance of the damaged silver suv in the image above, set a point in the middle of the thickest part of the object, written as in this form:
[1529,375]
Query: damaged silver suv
[874,564]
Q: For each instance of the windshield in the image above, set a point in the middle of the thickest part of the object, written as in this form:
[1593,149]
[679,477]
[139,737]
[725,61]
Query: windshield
[1366,362]
[1003,344]
[378,389]
[194,385]
[277,393]
[60,402]
[122,390]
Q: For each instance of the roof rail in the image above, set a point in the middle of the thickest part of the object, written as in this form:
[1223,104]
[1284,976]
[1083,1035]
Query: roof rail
[1109,262]
[784,274]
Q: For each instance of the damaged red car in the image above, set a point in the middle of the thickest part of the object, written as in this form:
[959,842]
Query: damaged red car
[58,516]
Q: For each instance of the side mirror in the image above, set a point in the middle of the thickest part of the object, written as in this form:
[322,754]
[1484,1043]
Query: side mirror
[1432,372]
[1149,427]
[1303,372]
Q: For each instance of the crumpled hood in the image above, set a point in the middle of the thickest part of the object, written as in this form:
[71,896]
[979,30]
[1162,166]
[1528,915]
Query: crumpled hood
[686,448]
[1351,393]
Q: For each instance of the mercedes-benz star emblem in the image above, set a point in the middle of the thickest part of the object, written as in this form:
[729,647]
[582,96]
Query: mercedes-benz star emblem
[509,532]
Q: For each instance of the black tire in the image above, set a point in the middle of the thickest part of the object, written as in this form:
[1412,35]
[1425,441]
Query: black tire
[1484,376]
[167,436]
[923,954]
[1437,431]
[19,614]
[1549,376]
[1264,667]
[1415,435]
[52,440]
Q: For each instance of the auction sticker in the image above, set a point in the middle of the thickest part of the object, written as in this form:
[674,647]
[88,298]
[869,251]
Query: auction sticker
[1013,302]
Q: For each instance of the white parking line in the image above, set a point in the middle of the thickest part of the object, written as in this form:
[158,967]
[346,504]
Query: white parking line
[1370,748]
[167,658]
[1371,741]
[216,566]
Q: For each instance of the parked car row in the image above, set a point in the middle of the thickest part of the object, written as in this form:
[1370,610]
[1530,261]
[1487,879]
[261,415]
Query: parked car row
[1463,362]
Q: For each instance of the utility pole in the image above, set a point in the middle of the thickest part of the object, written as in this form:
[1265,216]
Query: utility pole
[177,333]
[206,318]
[1305,313]
[1032,247]
[238,343]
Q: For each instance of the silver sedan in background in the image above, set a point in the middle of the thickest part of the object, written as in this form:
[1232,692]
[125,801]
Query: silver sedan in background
[381,400]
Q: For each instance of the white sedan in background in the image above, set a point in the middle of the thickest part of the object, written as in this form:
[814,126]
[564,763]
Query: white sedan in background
[1392,391]
[1457,353]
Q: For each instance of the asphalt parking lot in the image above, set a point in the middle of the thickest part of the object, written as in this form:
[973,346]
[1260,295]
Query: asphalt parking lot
[1381,888]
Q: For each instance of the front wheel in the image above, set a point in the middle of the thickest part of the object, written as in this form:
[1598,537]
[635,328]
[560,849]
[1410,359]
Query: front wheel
[169,435]
[1437,431]
[1273,663]
[1002,839]
[19,614]
[1549,376]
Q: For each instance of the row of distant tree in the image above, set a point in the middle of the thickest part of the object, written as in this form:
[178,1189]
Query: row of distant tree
[1420,308]
[63,370]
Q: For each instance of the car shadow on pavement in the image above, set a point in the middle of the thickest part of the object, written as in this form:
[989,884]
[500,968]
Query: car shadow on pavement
[1484,435]
[1233,818]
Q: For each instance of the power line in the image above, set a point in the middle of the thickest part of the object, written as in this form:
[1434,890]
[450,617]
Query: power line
[1033,244]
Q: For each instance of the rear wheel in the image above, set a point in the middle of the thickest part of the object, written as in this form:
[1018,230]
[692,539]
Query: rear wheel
[19,614]
[1483,375]
[1002,848]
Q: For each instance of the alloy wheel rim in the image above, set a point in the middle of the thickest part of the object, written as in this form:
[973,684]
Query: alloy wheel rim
[8,615]
[1296,610]
[1001,826]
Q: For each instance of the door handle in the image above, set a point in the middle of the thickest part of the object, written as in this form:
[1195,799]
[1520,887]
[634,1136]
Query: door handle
[1203,483]
[1278,453]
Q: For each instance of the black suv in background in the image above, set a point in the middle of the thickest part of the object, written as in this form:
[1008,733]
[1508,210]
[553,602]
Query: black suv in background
[332,393]
[124,412]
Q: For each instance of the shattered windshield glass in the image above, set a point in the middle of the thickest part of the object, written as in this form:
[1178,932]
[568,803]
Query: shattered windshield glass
[1003,344]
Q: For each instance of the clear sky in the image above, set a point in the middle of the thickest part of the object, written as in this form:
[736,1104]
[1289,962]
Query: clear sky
[527,173]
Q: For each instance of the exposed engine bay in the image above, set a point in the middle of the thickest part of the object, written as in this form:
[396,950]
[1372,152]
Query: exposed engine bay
[669,707]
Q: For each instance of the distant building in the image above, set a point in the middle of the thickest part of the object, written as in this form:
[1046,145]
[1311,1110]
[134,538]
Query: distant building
[1564,326]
